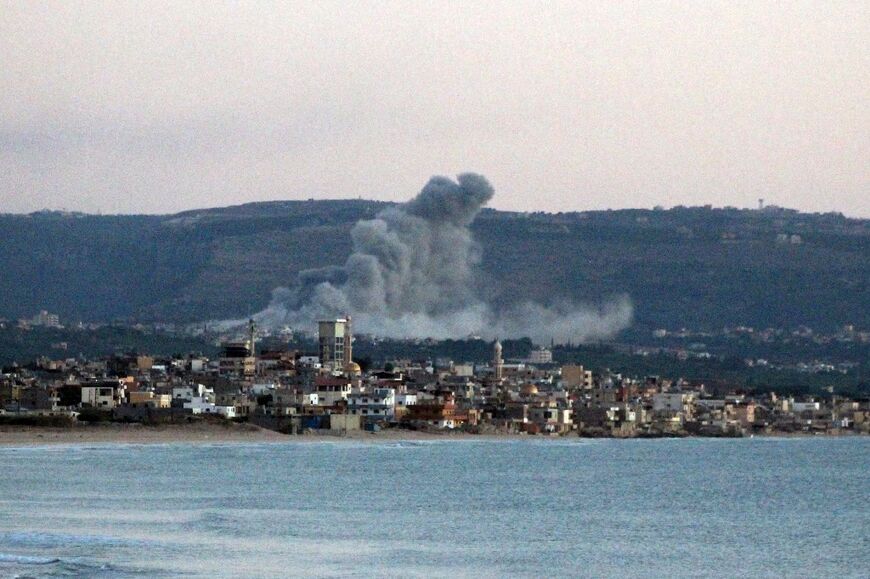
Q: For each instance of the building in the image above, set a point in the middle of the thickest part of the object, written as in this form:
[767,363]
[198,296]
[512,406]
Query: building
[670,401]
[201,400]
[37,398]
[743,413]
[440,411]
[463,370]
[107,394]
[801,407]
[312,362]
[551,419]
[379,404]
[188,393]
[541,356]
[497,361]
[671,409]
[148,399]
[575,376]
[201,405]
[403,401]
[331,390]
[237,359]
[335,343]
[276,363]
[46,320]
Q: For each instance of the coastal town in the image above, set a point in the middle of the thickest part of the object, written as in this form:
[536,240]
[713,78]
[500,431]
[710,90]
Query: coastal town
[328,392]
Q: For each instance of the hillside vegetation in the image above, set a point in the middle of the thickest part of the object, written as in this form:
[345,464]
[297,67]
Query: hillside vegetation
[700,268]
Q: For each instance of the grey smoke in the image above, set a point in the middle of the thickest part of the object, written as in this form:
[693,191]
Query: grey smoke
[414,273]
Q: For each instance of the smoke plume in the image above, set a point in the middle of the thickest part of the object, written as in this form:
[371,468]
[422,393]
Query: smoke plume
[414,272]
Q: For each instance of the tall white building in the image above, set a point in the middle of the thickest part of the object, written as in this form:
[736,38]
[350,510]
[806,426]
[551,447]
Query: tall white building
[497,361]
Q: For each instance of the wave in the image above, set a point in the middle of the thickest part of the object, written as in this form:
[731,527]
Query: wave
[27,559]
[16,565]
[237,524]
[36,539]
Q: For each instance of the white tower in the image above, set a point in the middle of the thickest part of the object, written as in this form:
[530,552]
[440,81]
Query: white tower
[497,361]
[252,337]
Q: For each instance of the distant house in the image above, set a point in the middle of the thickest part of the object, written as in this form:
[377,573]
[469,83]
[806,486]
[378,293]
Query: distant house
[541,356]
[187,393]
[440,411]
[37,398]
[200,405]
[379,404]
[148,399]
[331,390]
[106,394]
[551,419]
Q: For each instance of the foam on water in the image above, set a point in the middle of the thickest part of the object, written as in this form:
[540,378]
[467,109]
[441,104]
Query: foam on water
[48,539]
[26,566]
[27,559]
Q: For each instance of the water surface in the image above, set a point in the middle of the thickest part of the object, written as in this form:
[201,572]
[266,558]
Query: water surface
[694,507]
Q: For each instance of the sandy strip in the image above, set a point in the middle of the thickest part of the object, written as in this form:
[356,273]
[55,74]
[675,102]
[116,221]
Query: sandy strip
[135,434]
[207,433]
[201,433]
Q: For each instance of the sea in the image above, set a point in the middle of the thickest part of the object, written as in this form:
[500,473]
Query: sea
[754,507]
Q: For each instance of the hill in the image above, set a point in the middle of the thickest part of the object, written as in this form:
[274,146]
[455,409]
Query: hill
[700,268]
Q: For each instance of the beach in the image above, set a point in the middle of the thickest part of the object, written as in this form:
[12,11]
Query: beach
[136,434]
[230,432]
[209,432]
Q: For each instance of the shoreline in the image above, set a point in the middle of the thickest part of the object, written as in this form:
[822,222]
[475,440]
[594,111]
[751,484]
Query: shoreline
[207,433]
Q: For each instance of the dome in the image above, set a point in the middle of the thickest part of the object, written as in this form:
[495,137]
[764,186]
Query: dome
[529,390]
[353,368]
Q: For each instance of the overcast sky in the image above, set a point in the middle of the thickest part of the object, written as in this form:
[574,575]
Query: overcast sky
[158,107]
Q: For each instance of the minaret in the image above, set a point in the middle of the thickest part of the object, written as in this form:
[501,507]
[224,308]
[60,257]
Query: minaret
[348,343]
[497,361]
[252,336]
